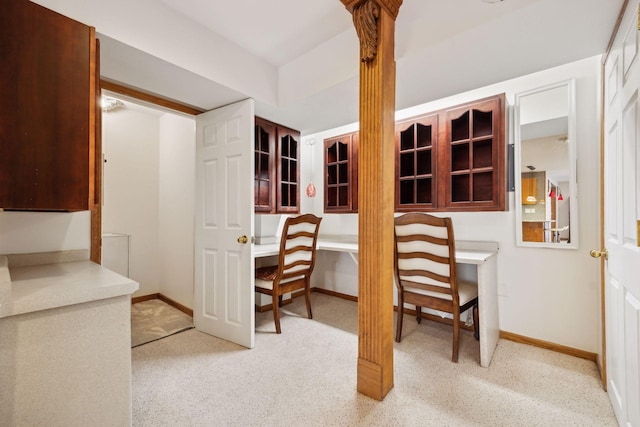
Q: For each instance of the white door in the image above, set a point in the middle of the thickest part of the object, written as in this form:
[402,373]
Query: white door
[224,271]
[621,220]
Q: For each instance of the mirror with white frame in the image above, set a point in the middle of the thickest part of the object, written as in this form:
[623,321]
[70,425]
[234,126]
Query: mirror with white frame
[545,167]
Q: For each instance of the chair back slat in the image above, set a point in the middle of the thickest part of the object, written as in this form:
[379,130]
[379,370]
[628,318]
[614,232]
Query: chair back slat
[430,288]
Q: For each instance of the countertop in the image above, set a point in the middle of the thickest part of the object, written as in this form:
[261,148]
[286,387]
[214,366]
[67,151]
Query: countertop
[25,289]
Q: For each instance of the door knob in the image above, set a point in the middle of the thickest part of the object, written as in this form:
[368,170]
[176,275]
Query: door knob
[597,254]
[243,239]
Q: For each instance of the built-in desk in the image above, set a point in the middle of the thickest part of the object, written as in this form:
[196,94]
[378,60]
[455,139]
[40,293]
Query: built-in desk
[481,255]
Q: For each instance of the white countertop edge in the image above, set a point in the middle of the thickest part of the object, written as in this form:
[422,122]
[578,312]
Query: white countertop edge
[42,287]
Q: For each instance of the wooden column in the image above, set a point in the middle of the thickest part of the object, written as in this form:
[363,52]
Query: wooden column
[375,24]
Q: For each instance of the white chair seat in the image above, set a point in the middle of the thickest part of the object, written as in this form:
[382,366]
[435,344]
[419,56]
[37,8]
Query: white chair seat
[268,284]
[466,292]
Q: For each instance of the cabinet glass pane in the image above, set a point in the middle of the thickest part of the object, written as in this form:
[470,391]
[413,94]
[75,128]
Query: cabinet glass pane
[293,171]
[342,151]
[284,169]
[424,162]
[332,174]
[482,153]
[284,146]
[332,196]
[284,192]
[344,195]
[406,192]
[332,153]
[482,123]
[261,189]
[293,191]
[460,188]
[407,138]
[424,136]
[423,193]
[343,173]
[460,157]
[264,166]
[264,140]
[460,128]
[483,187]
[407,164]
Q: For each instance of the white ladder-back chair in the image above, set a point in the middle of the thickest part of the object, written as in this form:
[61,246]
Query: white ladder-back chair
[295,263]
[425,267]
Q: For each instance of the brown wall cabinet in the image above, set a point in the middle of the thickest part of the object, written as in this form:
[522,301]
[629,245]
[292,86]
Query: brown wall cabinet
[416,163]
[277,168]
[453,159]
[49,139]
[341,174]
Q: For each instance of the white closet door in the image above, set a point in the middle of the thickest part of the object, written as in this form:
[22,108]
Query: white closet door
[622,219]
[224,271]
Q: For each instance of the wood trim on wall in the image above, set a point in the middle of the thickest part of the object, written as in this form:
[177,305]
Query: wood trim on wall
[164,298]
[549,346]
[135,300]
[150,97]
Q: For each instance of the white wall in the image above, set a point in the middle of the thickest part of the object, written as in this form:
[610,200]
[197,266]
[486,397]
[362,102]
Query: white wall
[547,294]
[27,232]
[130,203]
[176,207]
[149,182]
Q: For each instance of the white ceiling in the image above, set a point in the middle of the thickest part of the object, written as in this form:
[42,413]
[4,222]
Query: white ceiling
[298,59]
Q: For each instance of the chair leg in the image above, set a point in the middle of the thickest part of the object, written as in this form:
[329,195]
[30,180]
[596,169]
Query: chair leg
[307,297]
[276,313]
[399,317]
[476,323]
[456,336]
[418,314]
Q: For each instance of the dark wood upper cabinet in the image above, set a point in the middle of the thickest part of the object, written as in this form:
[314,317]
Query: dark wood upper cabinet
[276,168]
[288,183]
[48,101]
[473,152]
[265,148]
[341,174]
[416,164]
[453,159]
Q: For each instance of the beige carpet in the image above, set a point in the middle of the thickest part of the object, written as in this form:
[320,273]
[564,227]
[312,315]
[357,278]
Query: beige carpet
[154,319]
[307,377]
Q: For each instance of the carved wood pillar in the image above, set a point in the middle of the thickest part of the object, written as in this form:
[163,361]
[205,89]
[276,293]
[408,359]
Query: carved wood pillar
[375,24]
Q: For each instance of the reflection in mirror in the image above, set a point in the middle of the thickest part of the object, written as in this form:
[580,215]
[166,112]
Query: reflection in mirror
[546,208]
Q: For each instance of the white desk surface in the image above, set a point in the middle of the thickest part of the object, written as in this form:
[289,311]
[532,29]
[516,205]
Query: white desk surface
[349,243]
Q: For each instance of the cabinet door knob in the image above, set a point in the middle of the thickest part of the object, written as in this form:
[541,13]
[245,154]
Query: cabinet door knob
[243,239]
[597,254]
